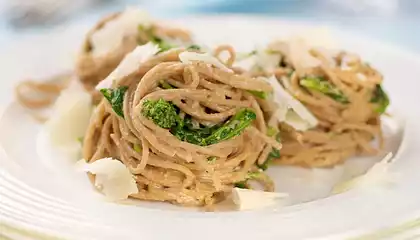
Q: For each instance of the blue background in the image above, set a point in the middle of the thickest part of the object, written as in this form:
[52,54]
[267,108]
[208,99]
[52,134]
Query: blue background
[400,27]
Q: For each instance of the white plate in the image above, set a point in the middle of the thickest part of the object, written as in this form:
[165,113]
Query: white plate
[41,191]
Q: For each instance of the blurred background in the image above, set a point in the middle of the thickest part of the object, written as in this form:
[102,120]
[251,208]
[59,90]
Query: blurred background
[396,21]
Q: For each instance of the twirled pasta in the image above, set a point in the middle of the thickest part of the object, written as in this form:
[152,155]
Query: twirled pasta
[167,168]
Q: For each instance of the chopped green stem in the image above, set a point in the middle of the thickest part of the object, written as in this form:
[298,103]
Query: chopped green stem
[165,85]
[233,127]
[381,98]
[137,148]
[323,86]
[194,47]
[241,184]
[259,94]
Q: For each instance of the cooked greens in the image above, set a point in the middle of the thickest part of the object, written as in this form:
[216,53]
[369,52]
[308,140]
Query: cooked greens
[233,127]
[116,98]
[165,85]
[259,94]
[149,31]
[241,184]
[211,159]
[274,154]
[165,115]
[163,45]
[321,85]
[271,131]
[194,47]
[137,148]
[161,112]
[381,98]
[249,176]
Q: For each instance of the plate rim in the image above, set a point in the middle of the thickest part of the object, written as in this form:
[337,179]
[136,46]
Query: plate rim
[390,47]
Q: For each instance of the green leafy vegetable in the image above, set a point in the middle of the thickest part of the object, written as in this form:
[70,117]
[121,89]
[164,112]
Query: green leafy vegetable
[161,112]
[193,47]
[271,131]
[164,46]
[260,94]
[194,137]
[381,98]
[116,98]
[165,85]
[211,159]
[149,31]
[164,114]
[137,148]
[274,154]
[186,131]
[253,175]
[321,85]
[233,127]
[244,183]
[241,184]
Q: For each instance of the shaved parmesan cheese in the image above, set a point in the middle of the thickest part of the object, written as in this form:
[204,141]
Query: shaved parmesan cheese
[70,116]
[291,110]
[298,48]
[299,54]
[189,57]
[262,60]
[296,121]
[129,64]
[377,175]
[297,51]
[247,199]
[112,177]
[111,35]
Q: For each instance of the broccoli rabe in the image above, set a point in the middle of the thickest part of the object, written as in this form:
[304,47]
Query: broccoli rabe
[381,98]
[271,131]
[241,184]
[211,135]
[164,114]
[233,127]
[149,31]
[163,45]
[259,94]
[161,112]
[249,176]
[116,98]
[211,159]
[137,148]
[275,153]
[321,85]
[186,135]
[194,47]
[165,85]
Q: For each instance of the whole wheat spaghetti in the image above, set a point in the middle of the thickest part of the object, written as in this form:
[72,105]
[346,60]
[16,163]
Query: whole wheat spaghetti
[166,166]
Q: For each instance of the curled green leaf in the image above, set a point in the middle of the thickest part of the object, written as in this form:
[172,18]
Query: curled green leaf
[116,98]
